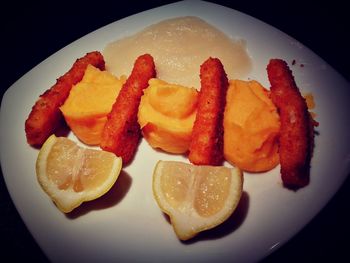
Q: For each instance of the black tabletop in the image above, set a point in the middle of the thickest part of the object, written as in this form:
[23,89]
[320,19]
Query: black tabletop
[32,32]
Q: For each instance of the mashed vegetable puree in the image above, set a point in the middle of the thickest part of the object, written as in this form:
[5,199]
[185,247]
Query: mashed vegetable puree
[166,115]
[179,46]
[251,127]
[89,102]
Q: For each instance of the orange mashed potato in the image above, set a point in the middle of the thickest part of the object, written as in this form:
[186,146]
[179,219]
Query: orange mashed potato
[89,102]
[251,127]
[166,115]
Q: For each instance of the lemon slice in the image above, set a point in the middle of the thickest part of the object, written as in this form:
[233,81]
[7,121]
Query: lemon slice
[70,174]
[196,198]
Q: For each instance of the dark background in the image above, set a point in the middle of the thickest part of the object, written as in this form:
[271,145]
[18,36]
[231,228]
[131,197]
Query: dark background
[32,32]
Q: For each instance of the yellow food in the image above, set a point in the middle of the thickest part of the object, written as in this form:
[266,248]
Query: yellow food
[166,115]
[195,197]
[89,102]
[251,127]
[310,102]
[71,175]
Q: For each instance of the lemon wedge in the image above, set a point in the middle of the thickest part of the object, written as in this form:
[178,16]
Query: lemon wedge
[71,174]
[196,198]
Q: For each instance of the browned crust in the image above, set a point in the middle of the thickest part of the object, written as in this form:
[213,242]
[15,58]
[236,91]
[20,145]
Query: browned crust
[296,132]
[45,117]
[122,133]
[206,147]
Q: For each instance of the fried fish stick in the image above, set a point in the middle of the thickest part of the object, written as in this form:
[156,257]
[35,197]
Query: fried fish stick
[45,117]
[296,132]
[122,132]
[206,147]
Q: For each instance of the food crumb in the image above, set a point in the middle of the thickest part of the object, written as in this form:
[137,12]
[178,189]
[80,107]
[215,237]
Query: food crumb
[310,101]
[294,62]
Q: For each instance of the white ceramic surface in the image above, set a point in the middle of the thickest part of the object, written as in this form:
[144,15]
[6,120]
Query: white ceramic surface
[126,224]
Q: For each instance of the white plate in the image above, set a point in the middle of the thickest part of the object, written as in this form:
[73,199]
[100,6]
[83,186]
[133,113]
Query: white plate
[127,224]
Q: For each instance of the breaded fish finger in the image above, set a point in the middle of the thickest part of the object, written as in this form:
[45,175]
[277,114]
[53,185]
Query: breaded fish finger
[45,117]
[122,133]
[206,147]
[296,132]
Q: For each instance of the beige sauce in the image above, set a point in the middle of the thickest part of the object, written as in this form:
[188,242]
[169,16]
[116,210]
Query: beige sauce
[179,46]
